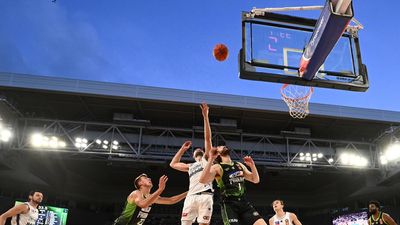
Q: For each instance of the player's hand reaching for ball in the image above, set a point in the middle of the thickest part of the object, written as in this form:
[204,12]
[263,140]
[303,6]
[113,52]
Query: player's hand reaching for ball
[248,161]
[213,153]
[162,182]
[186,145]
[204,109]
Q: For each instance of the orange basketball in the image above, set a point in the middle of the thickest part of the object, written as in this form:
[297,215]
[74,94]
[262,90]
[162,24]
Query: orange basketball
[220,52]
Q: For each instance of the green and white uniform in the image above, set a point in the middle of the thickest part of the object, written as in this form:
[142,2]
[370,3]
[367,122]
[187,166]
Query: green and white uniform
[132,215]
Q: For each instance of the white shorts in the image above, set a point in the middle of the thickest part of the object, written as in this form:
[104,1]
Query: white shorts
[198,206]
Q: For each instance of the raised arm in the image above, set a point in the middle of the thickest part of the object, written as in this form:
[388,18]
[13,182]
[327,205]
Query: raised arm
[252,175]
[18,209]
[207,129]
[176,161]
[210,171]
[171,200]
[146,202]
[388,219]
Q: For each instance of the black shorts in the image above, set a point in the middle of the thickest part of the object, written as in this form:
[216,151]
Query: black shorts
[238,211]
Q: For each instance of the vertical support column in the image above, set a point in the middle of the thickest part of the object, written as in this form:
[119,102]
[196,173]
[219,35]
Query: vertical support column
[287,152]
[112,138]
[139,150]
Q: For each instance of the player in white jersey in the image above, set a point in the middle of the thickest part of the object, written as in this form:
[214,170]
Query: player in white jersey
[25,213]
[281,217]
[199,200]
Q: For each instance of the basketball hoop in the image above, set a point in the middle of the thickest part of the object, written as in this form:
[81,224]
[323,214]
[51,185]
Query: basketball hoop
[297,99]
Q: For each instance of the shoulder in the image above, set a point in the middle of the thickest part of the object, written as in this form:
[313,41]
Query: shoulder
[271,220]
[26,206]
[217,168]
[22,208]
[132,196]
[291,215]
[385,215]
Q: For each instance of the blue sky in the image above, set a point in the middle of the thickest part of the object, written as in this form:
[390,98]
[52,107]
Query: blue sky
[169,44]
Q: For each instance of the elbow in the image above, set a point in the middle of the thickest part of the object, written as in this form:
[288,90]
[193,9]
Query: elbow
[172,165]
[143,205]
[202,180]
[255,180]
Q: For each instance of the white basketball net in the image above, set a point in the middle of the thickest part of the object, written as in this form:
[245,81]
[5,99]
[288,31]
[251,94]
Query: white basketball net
[297,99]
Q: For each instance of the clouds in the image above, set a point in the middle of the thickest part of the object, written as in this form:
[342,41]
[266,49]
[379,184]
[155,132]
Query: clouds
[40,37]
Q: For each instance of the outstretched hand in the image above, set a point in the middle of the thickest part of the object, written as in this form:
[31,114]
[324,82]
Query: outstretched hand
[204,109]
[186,145]
[213,153]
[162,182]
[248,161]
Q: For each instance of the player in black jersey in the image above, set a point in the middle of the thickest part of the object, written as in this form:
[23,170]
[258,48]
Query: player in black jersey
[377,216]
[230,177]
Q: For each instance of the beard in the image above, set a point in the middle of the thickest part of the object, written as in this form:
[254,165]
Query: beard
[37,201]
[225,152]
[372,211]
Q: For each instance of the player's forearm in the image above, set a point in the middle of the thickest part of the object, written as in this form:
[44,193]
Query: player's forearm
[255,176]
[177,198]
[151,199]
[177,157]
[2,220]
[207,136]
[206,176]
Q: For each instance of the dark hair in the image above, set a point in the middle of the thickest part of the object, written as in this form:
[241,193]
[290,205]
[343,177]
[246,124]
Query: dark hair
[221,142]
[282,203]
[197,152]
[376,203]
[31,193]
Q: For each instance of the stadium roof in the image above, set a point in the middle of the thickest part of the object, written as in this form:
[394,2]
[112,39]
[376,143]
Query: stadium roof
[72,99]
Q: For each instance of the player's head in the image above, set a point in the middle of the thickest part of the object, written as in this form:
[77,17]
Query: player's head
[142,181]
[277,205]
[374,206]
[223,150]
[35,196]
[198,154]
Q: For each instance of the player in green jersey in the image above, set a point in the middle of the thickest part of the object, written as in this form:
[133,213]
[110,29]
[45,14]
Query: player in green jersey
[138,203]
